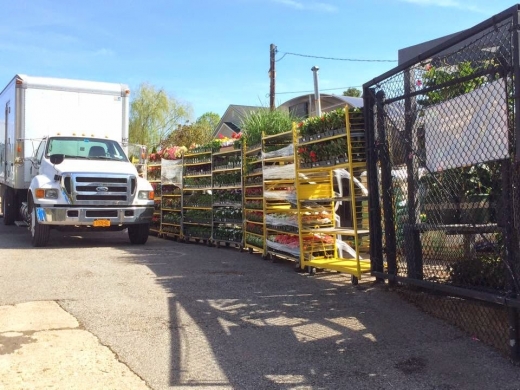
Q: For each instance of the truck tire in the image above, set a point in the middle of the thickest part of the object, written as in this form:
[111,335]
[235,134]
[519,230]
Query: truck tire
[39,233]
[138,234]
[9,206]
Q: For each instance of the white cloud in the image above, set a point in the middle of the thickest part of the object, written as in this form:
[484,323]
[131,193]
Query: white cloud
[446,4]
[309,5]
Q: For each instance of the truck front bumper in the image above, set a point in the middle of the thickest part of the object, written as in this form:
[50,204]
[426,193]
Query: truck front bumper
[92,216]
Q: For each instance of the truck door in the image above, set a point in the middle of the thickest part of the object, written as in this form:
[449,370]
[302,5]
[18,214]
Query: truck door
[37,159]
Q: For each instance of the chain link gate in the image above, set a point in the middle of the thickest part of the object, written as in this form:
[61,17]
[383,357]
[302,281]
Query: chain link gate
[444,176]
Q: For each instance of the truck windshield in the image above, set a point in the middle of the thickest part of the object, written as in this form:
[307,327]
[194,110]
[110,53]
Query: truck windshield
[84,147]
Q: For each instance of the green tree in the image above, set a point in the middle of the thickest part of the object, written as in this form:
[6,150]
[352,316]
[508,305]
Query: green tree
[154,114]
[209,119]
[190,133]
[352,91]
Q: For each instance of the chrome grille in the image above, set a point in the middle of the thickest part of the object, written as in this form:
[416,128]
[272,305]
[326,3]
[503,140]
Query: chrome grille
[90,189]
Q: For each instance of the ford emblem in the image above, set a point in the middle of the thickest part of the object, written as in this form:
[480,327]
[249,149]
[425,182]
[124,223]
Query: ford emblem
[101,189]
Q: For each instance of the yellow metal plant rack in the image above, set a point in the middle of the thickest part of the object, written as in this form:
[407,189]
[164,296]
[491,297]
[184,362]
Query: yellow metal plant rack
[319,242]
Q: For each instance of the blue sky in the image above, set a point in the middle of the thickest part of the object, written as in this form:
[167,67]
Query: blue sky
[213,53]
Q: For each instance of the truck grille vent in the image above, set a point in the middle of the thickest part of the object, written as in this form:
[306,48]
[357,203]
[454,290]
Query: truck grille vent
[89,179]
[92,188]
[100,197]
[111,189]
[101,213]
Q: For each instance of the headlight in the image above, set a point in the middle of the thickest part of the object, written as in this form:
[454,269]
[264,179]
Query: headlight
[145,195]
[49,193]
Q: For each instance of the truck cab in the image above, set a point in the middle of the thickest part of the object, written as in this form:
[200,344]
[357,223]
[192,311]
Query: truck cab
[86,183]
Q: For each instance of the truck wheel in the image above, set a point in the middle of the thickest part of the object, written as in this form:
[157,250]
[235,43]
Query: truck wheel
[138,234]
[39,233]
[9,208]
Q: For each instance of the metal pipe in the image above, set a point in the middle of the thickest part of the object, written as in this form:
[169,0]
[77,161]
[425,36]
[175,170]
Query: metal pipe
[317,102]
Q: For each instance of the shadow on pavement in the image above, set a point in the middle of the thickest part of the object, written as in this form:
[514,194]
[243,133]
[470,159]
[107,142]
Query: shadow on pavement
[237,320]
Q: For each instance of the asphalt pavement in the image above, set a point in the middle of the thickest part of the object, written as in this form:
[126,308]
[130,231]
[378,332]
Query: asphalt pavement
[170,315]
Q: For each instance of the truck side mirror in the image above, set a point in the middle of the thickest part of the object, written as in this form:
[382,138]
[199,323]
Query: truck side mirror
[57,159]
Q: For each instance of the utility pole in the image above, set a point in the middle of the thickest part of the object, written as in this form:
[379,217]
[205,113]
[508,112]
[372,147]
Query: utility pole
[317,102]
[272,76]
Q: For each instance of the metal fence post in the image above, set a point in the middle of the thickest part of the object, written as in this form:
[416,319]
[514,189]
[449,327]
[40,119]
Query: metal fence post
[413,251]
[510,257]
[511,228]
[374,206]
[387,187]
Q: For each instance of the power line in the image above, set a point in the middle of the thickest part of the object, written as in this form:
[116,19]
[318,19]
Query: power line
[333,58]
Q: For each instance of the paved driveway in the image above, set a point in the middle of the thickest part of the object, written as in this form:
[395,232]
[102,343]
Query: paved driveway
[188,316]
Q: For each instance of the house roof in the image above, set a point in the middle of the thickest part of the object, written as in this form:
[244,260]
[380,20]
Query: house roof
[355,102]
[233,118]
[333,101]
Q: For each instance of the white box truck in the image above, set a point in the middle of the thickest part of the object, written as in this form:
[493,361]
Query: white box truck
[62,159]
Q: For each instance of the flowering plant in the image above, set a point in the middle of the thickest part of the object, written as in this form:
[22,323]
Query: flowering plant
[254,191]
[254,240]
[168,153]
[254,228]
[328,121]
[288,240]
[254,204]
[227,234]
[323,151]
[255,216]
[227,162]
[227,179]
[198,200]
[203,232]
[224,141]
[227,196]
[197,148]
[170,217]
[174,152]
[154,172]
[195,215]
[228,214]
[197,182]
[237,143]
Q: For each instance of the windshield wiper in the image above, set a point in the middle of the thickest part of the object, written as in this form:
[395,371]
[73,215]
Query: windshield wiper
[71,156]
[101,158]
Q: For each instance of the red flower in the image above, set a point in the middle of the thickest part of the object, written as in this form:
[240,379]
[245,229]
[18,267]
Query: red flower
[418,83]
[220,136]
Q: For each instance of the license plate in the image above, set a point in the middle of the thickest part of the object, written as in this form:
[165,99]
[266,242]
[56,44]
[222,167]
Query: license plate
[102,223]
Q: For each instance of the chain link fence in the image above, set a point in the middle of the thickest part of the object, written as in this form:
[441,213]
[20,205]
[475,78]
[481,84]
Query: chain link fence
[442,135]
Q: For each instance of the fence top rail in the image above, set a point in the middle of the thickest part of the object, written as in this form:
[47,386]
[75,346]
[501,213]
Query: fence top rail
[450,42]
